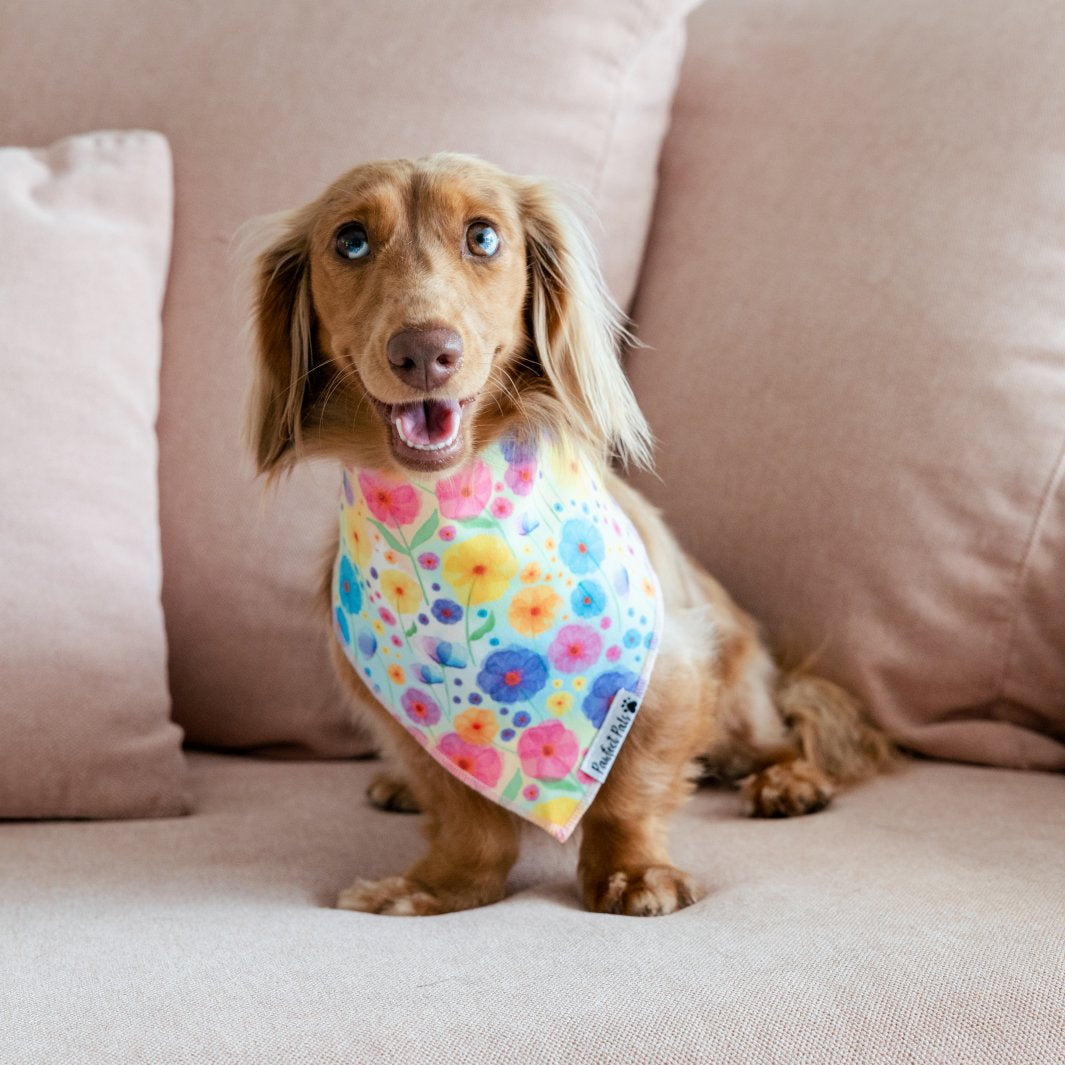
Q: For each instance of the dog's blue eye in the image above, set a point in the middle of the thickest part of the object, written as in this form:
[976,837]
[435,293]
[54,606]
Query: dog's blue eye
[482,239]
[352,242]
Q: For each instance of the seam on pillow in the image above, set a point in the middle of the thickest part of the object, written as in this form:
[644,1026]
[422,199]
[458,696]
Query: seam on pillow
[1042,510]
[647,35]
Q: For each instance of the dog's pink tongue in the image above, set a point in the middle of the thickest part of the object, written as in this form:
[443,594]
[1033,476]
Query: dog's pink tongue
[429,422]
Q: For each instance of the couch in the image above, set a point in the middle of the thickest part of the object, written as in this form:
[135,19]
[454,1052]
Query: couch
[839,230]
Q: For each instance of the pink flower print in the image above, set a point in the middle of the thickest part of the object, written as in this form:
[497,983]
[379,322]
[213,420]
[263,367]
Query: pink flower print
[520,476]
[390,502]
[548,751]
[466,493]
[447,533]
[502,507]
[482,763]
[386,615]
[428,560]
[575,648]
[613,653]
[420,707]
[530,792]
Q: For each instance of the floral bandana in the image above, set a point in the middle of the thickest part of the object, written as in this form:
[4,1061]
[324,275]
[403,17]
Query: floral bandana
[507,616]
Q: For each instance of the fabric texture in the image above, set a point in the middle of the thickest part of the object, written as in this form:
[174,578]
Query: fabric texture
[507,616]
[84,729]
[853,306]
[918,919]
[264,110]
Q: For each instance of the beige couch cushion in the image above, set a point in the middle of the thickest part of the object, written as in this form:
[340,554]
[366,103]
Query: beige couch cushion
[918,919]
[84,708]
[264,104]
[854,301]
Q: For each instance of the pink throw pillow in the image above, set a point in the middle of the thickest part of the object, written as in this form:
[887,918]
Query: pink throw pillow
[84,707]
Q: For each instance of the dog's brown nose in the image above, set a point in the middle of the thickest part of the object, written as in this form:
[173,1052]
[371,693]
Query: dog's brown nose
[425,358]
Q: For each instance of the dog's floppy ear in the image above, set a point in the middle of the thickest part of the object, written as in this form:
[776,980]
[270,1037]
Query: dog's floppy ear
[282,338]
[576,328]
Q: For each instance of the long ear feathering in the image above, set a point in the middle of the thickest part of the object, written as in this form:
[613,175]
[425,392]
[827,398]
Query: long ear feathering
[280,335]
[576,328]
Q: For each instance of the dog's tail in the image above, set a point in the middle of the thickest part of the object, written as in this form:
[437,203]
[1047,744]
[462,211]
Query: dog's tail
[831,728]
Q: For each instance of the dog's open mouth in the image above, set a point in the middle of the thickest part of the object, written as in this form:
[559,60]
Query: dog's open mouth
[428,433]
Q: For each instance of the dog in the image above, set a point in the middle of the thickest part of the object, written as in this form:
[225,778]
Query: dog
[407,321]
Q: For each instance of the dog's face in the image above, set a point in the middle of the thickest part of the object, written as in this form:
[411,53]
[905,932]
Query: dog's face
[419,308]
[418,282]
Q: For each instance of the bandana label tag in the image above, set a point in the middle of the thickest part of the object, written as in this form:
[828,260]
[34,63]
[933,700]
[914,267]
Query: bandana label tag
[611,735]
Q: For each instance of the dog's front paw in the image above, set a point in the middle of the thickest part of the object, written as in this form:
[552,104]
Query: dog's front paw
[788,789]
[395,895]
[647,892]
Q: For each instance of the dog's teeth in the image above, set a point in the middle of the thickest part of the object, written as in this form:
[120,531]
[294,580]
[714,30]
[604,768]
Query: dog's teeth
[427,447]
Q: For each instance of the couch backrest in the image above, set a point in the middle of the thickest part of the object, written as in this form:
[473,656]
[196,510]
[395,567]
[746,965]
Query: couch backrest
[854,297]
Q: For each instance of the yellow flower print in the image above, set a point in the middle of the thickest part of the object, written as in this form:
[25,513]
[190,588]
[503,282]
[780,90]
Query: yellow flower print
[483,564]
[648,589]
[531,573]
[556,811]
[358,535]
[532,611]
[477,726]
[559,703]
[396,674]
[378,628]
[580,683]
[402,592]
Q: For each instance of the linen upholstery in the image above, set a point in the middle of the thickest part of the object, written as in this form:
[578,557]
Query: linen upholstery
[264,106]
[853,305]
[919,918]
[84,708]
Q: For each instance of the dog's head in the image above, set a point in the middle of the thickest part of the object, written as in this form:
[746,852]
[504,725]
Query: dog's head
[418,309]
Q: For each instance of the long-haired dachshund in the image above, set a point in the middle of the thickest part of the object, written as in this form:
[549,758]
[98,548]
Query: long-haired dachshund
[500,594]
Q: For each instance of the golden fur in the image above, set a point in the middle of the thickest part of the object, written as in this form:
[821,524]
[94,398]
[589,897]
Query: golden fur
[540,338]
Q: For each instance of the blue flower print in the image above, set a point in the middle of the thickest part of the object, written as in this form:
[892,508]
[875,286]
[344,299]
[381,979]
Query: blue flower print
[342,626]
[516,450]
[521,719]
[447,611]
[632,638]
[587,599]
[597,701]
[427,674]
[367,644]
[348,586]
[513,673]
[582,546]
[444,653]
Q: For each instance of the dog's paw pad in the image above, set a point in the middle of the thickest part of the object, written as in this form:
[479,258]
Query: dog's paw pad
[788,789]
[649,892]
[395,896]
[392,793]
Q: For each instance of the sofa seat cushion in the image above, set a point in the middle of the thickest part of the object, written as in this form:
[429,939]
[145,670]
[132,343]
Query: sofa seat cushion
[918,919]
